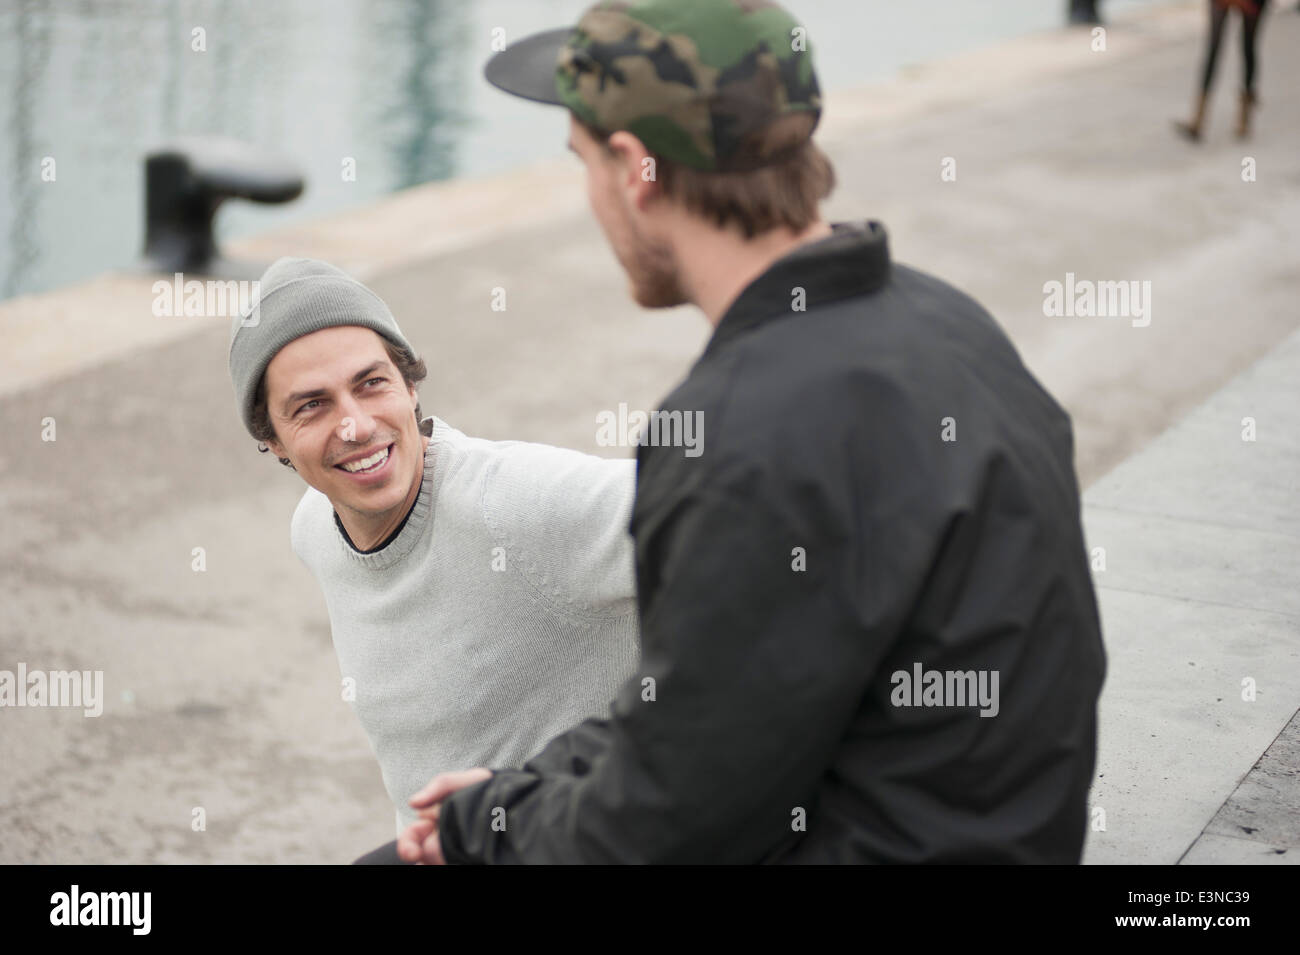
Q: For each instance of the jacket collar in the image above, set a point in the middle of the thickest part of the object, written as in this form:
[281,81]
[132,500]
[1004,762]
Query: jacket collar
[852,260]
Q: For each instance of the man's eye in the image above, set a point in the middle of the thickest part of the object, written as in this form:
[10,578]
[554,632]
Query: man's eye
[375,379]
[307,406]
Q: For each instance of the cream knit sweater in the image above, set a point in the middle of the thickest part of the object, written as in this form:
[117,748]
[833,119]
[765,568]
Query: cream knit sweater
[502,614]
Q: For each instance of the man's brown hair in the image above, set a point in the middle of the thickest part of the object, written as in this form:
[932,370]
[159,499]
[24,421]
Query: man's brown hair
[412,370]
[785,191]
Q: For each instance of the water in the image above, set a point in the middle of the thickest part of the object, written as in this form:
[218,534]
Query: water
[395,85]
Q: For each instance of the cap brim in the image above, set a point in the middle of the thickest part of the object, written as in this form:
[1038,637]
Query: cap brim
[527,67]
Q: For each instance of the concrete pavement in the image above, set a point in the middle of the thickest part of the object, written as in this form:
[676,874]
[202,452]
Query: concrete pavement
[1198,537]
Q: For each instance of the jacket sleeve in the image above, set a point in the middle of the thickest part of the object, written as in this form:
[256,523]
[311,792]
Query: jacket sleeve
[750,676]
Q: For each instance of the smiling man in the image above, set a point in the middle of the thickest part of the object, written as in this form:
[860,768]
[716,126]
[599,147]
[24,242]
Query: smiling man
[480,593]
[372,489]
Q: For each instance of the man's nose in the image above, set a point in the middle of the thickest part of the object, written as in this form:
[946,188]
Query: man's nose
[354,425]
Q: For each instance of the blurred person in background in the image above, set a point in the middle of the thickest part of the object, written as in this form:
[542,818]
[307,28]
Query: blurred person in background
[1252,12]
[1084,11]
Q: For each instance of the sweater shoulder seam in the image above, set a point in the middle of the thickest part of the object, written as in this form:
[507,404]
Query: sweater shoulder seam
[570,610]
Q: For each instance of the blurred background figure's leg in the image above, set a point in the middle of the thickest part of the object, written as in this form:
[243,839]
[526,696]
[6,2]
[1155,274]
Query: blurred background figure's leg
[1250,20]
[1218,18]
[1084,11]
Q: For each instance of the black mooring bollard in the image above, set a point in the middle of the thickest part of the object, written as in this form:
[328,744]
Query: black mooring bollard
[184,184]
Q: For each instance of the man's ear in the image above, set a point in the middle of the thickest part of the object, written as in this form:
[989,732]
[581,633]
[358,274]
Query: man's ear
[276,447]
[637,173]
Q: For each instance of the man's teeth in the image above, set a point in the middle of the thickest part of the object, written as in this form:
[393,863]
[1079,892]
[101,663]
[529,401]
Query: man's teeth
[365,464]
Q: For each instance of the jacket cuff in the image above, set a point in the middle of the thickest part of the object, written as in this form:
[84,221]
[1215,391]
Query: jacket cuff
[451,824]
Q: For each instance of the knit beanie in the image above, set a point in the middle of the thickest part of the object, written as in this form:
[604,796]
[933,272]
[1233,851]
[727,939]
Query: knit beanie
[296,297]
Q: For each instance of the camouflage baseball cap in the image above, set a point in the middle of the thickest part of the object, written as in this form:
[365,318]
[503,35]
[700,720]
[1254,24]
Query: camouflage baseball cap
[690,78]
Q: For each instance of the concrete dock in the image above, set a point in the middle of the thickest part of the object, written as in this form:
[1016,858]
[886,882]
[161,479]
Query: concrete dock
[221,686]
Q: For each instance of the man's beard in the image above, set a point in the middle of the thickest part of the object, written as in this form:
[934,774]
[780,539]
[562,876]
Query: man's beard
[652,273]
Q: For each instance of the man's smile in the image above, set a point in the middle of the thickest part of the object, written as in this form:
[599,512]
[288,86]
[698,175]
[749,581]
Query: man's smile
[367,464]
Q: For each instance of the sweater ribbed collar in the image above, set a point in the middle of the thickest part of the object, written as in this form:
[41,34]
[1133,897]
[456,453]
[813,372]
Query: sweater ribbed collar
[421,516]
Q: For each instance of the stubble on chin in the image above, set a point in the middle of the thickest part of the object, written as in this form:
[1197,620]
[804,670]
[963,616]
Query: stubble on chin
[654,278]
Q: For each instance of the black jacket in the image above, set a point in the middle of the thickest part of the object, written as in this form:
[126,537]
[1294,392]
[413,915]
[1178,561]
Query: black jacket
[883,490]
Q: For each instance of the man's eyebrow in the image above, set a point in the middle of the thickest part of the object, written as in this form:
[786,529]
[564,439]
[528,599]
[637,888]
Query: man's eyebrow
[359,377]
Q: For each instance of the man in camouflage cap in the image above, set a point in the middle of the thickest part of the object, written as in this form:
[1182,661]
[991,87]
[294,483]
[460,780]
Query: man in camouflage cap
[690,80]
[711,103]
[869,631]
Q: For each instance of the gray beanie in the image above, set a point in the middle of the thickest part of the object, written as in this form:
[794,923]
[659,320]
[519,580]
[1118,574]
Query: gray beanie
[296,297]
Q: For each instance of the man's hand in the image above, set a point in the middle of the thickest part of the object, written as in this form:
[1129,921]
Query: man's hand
[419,842]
